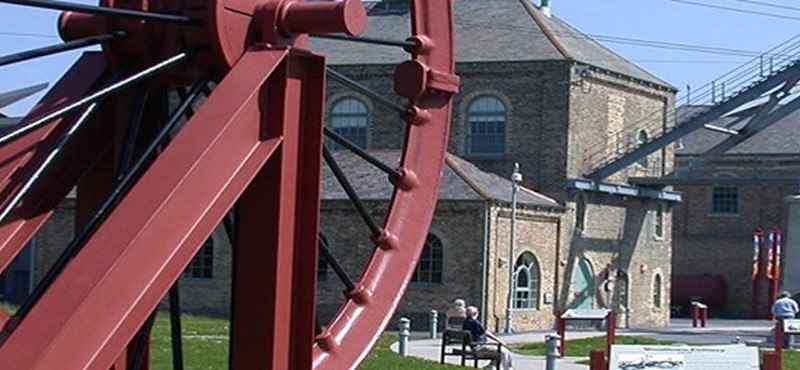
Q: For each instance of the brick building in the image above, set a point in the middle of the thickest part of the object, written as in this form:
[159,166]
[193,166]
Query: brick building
[534,91]
[727,199]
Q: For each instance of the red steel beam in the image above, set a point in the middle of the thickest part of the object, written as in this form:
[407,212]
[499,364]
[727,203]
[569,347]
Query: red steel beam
[93,309]
[274,274]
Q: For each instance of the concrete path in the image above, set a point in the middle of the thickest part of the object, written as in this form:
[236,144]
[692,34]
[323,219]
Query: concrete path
[717,331]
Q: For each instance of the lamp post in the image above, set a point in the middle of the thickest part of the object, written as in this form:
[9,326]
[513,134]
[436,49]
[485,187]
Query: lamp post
[516,177]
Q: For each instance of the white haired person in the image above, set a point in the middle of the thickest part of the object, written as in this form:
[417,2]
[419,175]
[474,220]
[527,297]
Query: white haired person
[785,308]
[480,335]
[456,314]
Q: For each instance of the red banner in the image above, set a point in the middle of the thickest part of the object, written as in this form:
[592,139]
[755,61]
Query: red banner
[774,266]
[757,236]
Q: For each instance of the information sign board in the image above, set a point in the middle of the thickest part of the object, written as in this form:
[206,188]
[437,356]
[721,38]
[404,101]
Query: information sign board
[791,326]
[585,314]
[637,357]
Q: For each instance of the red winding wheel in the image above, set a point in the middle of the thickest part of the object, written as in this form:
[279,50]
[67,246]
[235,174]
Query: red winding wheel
[152,189]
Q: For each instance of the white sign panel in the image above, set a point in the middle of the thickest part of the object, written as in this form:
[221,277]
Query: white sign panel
[637,357]
[791,326]
[585,313]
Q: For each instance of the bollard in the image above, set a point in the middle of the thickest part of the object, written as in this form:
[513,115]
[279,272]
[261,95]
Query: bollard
[405,328]
[434,321]
[553,353]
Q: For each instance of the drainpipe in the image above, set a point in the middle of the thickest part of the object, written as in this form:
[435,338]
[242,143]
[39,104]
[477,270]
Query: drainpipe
[484,267]
[545,8]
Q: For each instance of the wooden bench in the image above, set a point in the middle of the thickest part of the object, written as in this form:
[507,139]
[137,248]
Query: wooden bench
[459,343]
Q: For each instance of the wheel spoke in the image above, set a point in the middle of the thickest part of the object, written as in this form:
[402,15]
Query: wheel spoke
[128,145]
[366,91]
[334,263]
[91,9]
[102,93]
[361,153]
[140,343]
[102,211]
[409,46]
[48,160]
[351,193]
[175,326]
[58,48]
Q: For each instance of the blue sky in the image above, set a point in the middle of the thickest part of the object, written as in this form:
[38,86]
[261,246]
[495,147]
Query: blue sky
[647,32]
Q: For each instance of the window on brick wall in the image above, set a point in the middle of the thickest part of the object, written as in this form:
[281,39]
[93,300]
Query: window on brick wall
[526,282]
[657,290]
[658,222]
[622,289]
[429,267]
[202,265]
[322,263]
[642,139]
[580,213]
[486,126]
[724,200]
[348,118]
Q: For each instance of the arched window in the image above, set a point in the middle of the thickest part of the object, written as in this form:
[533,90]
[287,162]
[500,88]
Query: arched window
[580,213]
[429,267]
[202,265]
[526,282]
[622,289]
[642,139]
[322,263]
[486,126]
[658,223]
[657,291]
[348,118]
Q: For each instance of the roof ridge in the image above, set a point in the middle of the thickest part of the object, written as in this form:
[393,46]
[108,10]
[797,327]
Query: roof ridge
[448,159]
[546,31]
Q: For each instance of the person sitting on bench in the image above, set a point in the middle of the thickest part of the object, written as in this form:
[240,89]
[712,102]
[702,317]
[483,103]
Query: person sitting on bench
[480,335]
[456,314]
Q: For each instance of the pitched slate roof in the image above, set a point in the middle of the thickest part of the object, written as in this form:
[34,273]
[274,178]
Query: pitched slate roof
[782,137]
[488,31]
[461,180]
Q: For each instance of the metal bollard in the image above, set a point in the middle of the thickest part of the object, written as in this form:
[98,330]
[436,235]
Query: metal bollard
[403,334]
[434,321]
[553,353]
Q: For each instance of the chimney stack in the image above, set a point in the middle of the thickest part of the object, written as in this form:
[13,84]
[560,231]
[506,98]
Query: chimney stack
[545,8]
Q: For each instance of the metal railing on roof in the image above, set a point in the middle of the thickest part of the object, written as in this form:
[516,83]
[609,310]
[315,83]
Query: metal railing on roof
[600,154]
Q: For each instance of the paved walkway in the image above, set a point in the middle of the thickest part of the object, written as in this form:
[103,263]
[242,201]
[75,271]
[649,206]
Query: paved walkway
[717,331]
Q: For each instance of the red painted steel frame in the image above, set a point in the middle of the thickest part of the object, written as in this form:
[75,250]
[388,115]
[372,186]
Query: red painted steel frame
[110,288]
[257,137]
[277,219]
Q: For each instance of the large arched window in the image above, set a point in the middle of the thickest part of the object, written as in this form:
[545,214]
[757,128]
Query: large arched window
[642,139]
[486,126]
[657,291]
[349,118]
[429,267]
[526,282]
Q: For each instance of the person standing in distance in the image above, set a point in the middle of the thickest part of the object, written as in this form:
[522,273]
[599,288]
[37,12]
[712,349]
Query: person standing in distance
[785,308]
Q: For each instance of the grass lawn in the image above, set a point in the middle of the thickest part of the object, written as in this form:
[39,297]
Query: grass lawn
[581,347]
[205,347]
